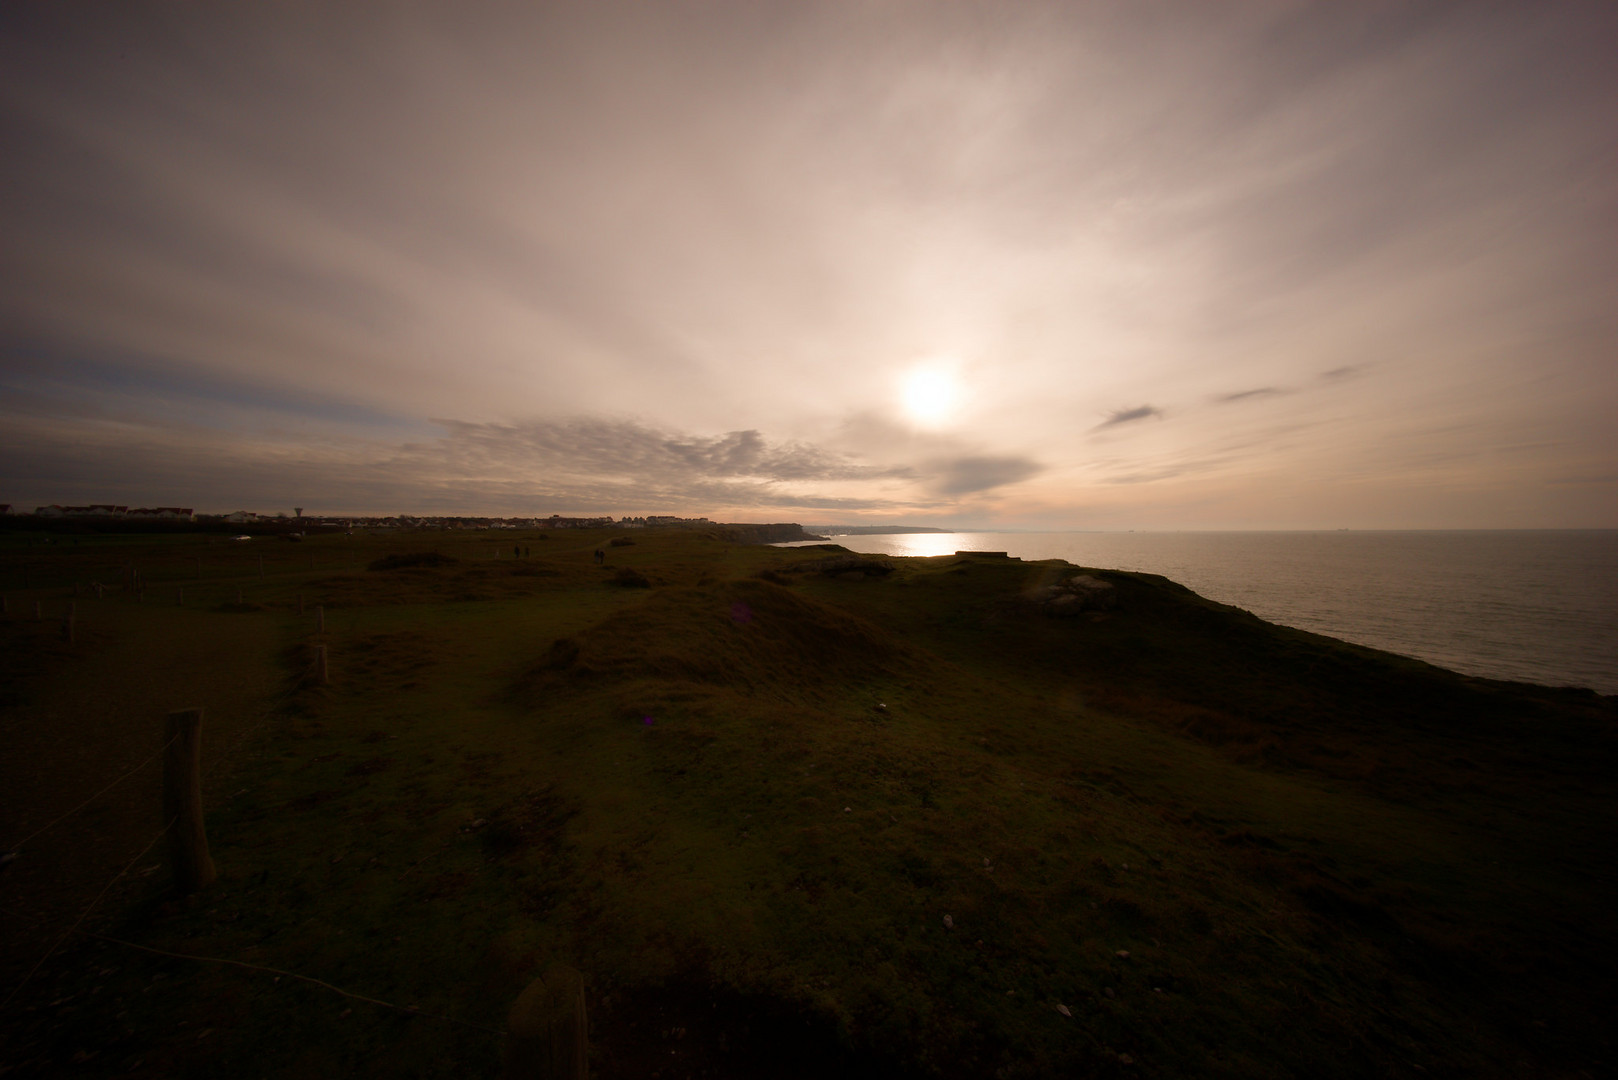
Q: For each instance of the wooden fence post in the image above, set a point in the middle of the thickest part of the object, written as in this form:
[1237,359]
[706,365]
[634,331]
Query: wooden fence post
[322,673]
[320,618]
[300,603]
[39,611]
[238,594]
[182,801]
[547,1035]
[67,623]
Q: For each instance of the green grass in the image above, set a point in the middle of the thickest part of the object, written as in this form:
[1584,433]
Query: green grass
[1318,858]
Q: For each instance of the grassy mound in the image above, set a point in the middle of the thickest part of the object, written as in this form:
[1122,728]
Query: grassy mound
[741,635]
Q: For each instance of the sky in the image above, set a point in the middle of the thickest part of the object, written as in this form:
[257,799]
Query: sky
[1149,265]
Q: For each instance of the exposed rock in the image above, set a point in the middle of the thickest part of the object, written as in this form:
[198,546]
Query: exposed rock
[949,923]
[1079,593]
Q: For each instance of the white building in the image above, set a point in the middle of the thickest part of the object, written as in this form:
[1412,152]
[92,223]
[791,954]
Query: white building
[164,513]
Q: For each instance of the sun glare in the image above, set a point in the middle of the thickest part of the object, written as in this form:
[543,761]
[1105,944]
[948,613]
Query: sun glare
[930,395]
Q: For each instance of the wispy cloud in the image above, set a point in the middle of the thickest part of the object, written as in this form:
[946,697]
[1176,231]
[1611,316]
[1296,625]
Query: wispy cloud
[1129,416]
[964,476]
[569,464]
[587,446]
[1244,395]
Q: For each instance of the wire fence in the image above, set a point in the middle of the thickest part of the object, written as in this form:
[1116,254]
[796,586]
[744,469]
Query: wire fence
[410,1010]
[296,683]
[16,848]
[86,913]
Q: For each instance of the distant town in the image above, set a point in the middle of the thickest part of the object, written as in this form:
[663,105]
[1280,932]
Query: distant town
[109,513]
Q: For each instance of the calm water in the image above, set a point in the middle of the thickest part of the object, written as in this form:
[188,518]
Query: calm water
[1537,606]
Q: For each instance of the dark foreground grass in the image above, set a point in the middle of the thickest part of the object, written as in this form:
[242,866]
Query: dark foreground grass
[1169,839]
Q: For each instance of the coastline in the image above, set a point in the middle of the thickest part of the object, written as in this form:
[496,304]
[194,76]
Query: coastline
[1468,600]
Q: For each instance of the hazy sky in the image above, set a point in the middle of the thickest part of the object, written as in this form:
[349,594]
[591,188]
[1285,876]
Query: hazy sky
[1120,265]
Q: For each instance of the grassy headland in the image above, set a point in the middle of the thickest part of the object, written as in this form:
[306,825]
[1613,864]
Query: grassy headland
[740,788]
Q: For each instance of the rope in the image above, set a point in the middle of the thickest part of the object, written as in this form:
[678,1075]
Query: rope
[97,795]
[410,1010]
[87,911]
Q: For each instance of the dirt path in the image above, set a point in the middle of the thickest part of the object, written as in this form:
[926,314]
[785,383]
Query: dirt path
[74,718]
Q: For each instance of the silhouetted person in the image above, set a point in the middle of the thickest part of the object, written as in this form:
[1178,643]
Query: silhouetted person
[601,556]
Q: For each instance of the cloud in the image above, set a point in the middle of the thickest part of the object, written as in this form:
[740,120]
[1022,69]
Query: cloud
[627,449]
[1243,395]
[1126,416]
[963,476]
[559,465]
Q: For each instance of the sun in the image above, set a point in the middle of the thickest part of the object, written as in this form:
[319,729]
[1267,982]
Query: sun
[930,395]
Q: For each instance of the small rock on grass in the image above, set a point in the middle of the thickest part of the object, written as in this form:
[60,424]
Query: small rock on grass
[1123,954]
[1064,1010]
[949,923]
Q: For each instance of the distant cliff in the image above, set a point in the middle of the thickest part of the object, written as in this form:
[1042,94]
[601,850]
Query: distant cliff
[782,533]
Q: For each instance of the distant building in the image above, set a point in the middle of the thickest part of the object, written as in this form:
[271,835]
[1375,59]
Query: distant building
[241,517]
[5,508]
[163,513]
[556,521]
[93,510]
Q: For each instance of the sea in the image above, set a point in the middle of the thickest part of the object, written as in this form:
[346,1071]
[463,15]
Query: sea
[1537,606]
